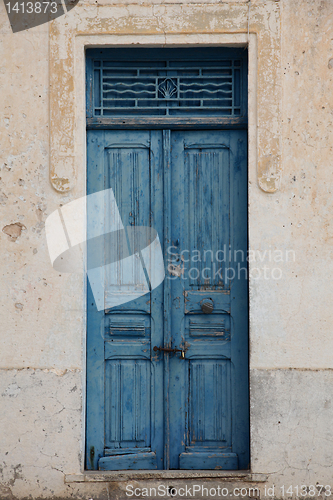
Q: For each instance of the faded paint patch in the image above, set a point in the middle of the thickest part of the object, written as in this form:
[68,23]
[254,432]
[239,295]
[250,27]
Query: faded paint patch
[12,391]
[3,198]
[269,173]
[14,230]
[60,183]
[175,270]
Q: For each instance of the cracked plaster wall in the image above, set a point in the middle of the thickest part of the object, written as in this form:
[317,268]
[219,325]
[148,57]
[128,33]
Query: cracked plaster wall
[41,310]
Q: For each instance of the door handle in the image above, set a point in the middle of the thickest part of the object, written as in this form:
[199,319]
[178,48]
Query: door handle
[169,349]
[207,306]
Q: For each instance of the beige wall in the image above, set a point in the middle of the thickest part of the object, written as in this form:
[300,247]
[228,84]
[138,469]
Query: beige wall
[41,313]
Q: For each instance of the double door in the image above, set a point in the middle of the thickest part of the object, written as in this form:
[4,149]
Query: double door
[167,359]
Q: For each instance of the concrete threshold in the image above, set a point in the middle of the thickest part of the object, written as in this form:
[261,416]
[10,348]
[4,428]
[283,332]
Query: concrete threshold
[97,477]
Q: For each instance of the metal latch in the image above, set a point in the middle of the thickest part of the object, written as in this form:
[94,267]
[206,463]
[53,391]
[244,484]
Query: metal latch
[169,349]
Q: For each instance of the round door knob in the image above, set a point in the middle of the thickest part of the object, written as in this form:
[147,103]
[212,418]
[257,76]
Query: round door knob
[207,306]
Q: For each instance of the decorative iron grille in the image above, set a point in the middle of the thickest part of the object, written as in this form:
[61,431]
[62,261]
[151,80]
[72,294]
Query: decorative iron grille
[178,88]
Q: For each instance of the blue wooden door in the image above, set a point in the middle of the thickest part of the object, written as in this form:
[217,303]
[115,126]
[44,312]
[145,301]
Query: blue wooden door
[209,403]
[124,380]
[157,408]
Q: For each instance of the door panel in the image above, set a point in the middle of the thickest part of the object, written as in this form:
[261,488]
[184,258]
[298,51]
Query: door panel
[208,396]
[127,419]
[206,207]
[120,338]
[151,409]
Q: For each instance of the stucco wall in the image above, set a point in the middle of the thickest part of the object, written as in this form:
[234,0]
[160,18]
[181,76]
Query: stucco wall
[41,314]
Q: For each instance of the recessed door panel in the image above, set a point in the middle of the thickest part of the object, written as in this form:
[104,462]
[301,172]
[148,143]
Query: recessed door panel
[209,388]
[125,382]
